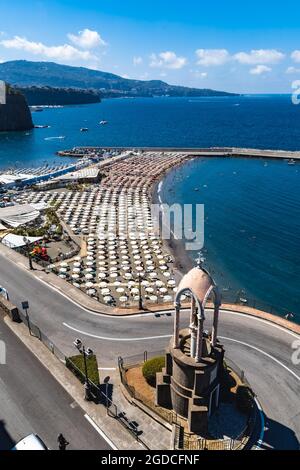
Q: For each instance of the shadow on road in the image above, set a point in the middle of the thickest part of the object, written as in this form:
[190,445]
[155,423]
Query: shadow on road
[279,437]
[6,442]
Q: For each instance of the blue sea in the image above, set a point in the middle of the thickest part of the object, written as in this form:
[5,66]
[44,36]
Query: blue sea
[252,229]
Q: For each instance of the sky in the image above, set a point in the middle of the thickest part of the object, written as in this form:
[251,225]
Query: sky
[230,46]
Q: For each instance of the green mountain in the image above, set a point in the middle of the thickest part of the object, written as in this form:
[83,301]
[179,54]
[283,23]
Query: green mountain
[23,73]
[38,95]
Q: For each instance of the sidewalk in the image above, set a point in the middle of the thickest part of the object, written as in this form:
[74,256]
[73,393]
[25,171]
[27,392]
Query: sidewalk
[151,433]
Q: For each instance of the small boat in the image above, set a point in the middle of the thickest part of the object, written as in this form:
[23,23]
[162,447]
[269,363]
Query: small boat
[102,123]
[196,189]
[41,126]
[84,129]
[37,109]
[291,162]
[60,137]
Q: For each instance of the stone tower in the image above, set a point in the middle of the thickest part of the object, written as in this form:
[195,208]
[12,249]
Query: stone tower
[190,382]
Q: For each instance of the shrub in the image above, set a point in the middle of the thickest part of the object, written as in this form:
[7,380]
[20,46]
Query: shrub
[151,368]
[244,399]
[76,365]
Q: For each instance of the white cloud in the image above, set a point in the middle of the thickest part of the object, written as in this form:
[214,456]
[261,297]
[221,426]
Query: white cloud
[87,39]
[168,60]
[62,53]
[259,56]
[291,70]
[137,61]
[296,56]
[212,57]
[260,69]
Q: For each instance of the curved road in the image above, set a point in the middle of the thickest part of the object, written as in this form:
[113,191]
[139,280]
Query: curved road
[263,350]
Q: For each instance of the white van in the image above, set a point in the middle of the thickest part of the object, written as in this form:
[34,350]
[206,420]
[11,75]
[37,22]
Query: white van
[32,442]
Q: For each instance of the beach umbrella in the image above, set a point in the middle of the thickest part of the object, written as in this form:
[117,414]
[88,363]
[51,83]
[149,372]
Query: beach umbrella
[168,298]
[89,284]
[123,299]
[107,299]
[150,290]
[163,290]
[105,291]
[103,284]
[153,298]
[167,274]
[91,292]
[76,270]
[120,290]
[89,276]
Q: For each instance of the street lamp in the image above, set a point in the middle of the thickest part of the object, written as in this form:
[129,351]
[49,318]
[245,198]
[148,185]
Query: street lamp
[26,241]
[86,353]
[141,307]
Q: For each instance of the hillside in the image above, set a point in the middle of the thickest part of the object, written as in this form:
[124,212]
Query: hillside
[15,114]
[24,73]
[58,96]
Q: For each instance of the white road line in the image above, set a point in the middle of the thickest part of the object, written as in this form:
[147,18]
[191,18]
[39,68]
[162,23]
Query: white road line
[99,431]
[107,368]
[105,338]
[264,353]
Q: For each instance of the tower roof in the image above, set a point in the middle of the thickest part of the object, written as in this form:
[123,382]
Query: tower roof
[199,282]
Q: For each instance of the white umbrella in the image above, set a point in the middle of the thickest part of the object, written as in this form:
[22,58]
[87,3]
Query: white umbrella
[150,290]
[163,290]
[105,291]
[123,298]
[89,284]
[89,276]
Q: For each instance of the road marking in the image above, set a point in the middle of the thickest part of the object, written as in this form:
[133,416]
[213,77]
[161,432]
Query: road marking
[107,368]
[99,431]
[264,353]
[105,338]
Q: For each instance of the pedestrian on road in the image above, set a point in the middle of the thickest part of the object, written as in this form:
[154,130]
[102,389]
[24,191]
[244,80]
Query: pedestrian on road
[62,442]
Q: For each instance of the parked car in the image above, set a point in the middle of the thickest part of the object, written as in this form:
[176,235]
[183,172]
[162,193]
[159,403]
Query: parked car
[31,442]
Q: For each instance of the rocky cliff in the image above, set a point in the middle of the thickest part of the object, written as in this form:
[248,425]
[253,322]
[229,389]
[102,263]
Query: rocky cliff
[15,115]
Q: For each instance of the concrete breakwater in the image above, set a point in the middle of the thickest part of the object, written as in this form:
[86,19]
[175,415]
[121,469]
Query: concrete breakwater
[80,152]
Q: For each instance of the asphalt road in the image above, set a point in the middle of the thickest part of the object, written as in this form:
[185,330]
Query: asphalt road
[261,349]
[31,401]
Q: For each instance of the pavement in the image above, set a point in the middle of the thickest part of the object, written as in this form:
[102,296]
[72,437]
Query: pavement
[261,348]
[32,401]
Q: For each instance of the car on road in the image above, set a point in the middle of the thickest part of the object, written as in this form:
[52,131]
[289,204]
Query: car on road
[31,442]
